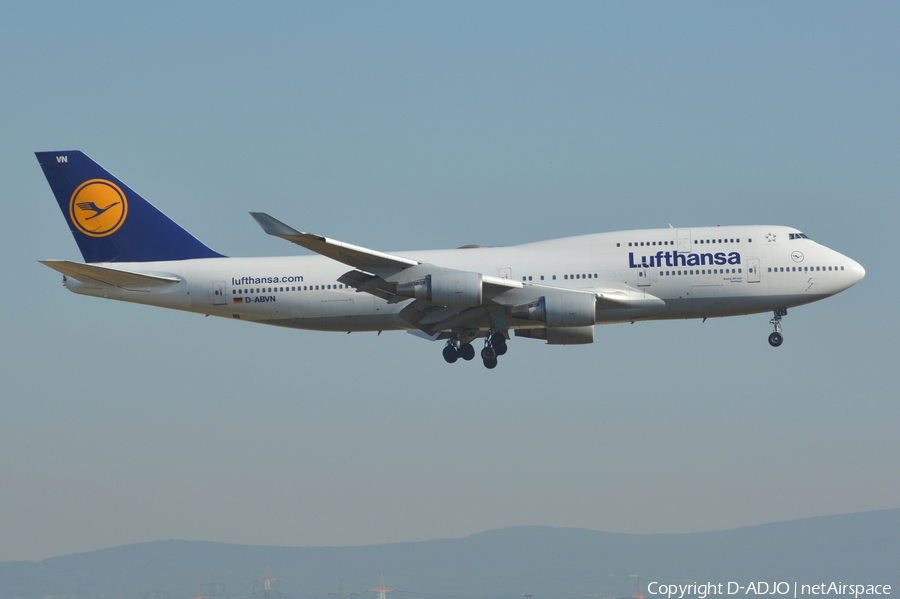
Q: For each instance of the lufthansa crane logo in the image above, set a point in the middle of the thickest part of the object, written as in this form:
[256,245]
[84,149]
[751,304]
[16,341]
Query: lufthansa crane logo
[98,208]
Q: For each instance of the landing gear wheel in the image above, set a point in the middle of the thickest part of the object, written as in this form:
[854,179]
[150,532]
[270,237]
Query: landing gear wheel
[466,351]
[488,354]
[450,354]
[498,342]
[490,363]
[776,339]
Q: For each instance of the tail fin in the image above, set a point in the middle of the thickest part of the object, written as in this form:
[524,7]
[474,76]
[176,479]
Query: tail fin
[110,222]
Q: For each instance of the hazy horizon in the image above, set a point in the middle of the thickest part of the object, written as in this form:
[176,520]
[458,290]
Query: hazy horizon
[506,563]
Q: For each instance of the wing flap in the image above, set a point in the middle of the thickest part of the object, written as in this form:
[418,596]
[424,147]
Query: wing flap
[367,283]
[91,273]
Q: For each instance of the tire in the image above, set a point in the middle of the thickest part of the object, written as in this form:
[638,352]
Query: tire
[489,364]
[488,354]
[776,339]
[466,351]
[450,354]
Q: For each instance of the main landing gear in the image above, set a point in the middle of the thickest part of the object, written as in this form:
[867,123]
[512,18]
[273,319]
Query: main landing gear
[494,346]
[776,338]
[454,351]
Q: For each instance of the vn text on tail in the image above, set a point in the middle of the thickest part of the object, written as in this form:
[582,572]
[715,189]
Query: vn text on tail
[554,290]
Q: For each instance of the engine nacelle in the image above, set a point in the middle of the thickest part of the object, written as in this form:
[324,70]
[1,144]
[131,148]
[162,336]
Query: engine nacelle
[561,336]
[560,310]
[454,288]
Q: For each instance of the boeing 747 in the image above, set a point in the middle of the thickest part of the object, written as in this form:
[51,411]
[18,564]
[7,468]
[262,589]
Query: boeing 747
[554,290]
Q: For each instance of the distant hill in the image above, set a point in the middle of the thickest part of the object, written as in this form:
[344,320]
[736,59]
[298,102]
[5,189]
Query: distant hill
[546,562]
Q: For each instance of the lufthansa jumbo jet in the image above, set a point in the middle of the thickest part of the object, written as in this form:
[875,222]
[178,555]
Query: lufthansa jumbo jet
[554,290]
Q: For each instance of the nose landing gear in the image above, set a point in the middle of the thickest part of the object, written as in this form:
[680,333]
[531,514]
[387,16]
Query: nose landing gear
[776,338]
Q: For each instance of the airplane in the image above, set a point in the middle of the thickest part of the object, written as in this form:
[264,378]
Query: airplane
[555,290]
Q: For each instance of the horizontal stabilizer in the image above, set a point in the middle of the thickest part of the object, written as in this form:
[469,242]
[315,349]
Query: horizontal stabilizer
[353,255]
[90,273]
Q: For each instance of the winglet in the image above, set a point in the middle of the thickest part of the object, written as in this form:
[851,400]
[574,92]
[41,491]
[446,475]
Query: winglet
[273,226]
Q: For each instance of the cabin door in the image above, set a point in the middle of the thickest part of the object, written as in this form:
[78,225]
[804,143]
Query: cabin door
[753,270]
[218,293]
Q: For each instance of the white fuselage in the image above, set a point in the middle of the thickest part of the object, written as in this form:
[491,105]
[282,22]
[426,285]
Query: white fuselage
[664,273]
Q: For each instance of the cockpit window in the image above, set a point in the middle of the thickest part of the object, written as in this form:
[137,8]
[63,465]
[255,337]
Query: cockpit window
[799,236]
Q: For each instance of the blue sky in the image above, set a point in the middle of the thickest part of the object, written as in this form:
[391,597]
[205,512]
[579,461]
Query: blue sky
[425,125]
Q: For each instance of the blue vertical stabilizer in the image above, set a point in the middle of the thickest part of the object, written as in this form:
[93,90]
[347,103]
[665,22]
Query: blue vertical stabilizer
[110,222]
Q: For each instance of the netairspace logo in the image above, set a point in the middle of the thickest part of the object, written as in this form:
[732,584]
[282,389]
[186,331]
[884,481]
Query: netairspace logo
[795,589]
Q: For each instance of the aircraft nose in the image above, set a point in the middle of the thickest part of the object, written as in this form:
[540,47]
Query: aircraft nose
[857,272]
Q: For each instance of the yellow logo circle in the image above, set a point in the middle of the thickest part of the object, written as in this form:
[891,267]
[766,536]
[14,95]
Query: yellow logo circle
[98,208]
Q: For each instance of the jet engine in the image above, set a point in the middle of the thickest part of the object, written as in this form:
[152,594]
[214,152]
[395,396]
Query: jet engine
[453,288]
[574,309]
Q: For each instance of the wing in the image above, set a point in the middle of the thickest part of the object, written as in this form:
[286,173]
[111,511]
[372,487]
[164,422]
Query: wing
[396,279]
